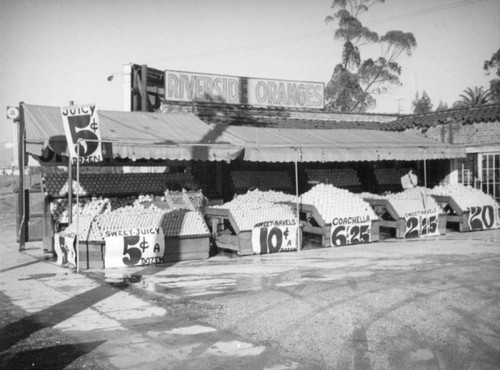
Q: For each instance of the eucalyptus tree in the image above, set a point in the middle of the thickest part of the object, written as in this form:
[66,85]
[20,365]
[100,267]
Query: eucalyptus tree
[355,80]
[422,104]
[493,65]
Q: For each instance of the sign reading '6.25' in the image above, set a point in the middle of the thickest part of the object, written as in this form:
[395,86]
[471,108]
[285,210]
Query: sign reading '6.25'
[83,133]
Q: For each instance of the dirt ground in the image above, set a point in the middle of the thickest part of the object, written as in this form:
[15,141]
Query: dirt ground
[415,304]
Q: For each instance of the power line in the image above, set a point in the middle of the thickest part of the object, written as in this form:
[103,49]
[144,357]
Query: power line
[313,35]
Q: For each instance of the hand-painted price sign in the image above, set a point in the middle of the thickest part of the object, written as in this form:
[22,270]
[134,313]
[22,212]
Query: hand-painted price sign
[83,134]
[422,224]
[64,246]
[274,237]
[484,217]
[350,233]
[134,247]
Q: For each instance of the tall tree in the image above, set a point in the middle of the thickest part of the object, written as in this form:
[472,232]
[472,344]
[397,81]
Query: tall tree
[422,104]
[493,65]
[441,106]
[354,81]
[473,97]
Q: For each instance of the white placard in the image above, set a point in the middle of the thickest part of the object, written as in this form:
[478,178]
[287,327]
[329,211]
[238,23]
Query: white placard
[350,230]
[64,246]
[82,128]
[135,247]
[275,236]
[422,223]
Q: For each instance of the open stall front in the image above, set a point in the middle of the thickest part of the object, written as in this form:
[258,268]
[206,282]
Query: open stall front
[127,138]
[303,146]
[183,136]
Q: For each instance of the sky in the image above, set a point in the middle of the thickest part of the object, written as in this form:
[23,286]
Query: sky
[56,51]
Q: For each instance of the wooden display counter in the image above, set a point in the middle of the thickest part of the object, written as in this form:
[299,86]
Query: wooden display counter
[471,219]
[405,227]
[454,213]
[342,234]
[239,242]
[270,236]
[91,254]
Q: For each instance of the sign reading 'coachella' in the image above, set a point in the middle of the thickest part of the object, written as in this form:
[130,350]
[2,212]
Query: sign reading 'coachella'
[187,86]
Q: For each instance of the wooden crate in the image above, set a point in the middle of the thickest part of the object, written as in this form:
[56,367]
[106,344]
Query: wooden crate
[239,242]
[91,255]
[397,222]
[456,214]
[313,223]
[186,248]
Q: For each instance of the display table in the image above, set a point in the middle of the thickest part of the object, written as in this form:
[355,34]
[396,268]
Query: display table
[479,217]
[411,225]
[240,241]
[257,222]
[345,231]
[454,213]
[144,233]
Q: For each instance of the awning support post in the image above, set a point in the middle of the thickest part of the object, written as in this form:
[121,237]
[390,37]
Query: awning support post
[299,239]
[77,222]
[21,196]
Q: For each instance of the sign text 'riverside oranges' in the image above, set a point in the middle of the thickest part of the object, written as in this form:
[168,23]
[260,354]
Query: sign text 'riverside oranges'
[187,86]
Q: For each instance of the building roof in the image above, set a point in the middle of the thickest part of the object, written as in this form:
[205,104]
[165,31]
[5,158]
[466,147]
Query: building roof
[483,113]
[273,117]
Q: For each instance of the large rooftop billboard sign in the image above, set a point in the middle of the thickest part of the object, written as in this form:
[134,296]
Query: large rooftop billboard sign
[189,86]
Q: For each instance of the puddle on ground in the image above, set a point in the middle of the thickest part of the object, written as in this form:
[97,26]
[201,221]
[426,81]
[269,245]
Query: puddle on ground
[38,276]
[191,330]
[234,348]
[422,354]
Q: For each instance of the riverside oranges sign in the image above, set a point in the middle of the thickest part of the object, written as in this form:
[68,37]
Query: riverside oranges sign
[188,86]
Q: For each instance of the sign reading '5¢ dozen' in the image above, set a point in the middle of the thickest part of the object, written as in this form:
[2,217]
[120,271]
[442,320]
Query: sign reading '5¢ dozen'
[83,133]
[135,247]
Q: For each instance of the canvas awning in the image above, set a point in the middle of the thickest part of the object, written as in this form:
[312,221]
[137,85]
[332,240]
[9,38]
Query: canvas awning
[174,136]
[183,136]
[339,145]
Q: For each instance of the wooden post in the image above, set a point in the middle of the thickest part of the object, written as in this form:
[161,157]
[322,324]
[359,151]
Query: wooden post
[144,88]
[21,214]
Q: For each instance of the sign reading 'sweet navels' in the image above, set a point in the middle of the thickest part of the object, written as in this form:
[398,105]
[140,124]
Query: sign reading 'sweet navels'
[188,86]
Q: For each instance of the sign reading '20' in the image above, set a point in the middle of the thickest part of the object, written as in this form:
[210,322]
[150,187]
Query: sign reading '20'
[484,217]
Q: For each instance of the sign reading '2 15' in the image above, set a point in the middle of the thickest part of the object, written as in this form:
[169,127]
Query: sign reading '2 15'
[83,133]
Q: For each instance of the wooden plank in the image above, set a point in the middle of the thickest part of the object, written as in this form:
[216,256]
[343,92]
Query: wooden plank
[91,255]
[400,228]
[186,245]
[388,223]
[311,211]
[375,237]
[245,241]
[223,213]
[442,220]
[188,256]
